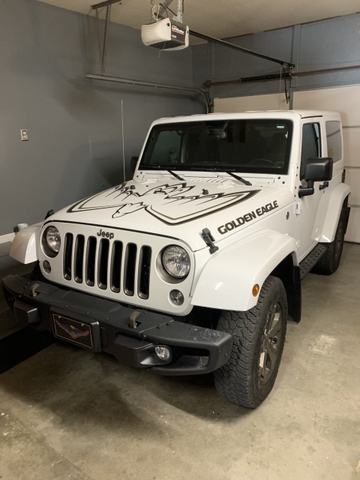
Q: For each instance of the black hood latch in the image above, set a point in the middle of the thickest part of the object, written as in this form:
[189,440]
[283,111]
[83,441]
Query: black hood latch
[209,240]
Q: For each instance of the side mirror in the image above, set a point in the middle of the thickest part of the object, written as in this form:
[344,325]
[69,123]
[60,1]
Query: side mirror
[133,162]
[317,170]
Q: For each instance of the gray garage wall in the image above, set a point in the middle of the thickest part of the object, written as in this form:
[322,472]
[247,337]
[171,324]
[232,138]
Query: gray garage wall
[319,45]
[74,126]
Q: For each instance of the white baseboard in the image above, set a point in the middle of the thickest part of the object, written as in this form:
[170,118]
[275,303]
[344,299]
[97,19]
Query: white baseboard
[7,238]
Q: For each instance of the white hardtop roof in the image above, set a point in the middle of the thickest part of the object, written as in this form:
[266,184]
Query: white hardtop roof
[284,114]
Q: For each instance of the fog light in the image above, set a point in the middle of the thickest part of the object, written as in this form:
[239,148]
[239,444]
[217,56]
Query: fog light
[46,266]
[176,297]
[164,353]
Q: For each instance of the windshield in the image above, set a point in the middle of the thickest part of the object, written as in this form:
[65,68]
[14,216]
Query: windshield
[248,146]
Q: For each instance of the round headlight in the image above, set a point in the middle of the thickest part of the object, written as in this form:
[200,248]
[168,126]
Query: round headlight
[176,261]
[52,241]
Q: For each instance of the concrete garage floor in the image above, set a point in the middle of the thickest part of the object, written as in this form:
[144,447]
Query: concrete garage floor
[69,414]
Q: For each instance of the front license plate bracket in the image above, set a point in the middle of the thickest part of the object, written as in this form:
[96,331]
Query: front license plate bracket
[78,332]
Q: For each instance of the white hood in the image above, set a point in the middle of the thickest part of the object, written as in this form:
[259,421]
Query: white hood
[176,208]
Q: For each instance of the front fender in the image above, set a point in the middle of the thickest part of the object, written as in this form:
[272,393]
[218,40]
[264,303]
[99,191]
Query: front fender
[337,197]
[24,246]
[227,279]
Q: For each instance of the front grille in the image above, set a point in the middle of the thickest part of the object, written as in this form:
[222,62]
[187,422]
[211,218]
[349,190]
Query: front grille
[108,265]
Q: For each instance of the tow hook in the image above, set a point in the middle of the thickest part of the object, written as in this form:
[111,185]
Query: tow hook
[132,320]
[31,291]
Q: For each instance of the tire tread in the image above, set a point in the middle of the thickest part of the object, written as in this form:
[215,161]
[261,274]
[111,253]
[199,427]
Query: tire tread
[234,380]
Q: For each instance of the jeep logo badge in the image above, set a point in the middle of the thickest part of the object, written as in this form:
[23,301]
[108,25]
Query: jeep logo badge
[108,235]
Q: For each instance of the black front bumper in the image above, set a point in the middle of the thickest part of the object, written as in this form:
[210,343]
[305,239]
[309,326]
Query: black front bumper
[130,335]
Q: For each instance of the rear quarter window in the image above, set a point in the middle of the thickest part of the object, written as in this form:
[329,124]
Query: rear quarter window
[333,135]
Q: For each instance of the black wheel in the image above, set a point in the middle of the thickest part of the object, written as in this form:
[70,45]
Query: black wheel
[259,337]
[330,261]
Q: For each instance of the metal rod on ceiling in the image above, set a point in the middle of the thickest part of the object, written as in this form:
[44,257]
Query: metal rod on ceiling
[104,4]
[325,70]
[180,11]
[241,49]
[106,36]
[276,76]
[103,47]
[259,78]
[129,81]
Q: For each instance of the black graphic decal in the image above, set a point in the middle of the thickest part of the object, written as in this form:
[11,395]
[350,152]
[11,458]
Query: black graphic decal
[248,217]
[160,201]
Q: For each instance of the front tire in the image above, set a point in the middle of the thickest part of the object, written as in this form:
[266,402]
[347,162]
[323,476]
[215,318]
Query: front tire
[258,343]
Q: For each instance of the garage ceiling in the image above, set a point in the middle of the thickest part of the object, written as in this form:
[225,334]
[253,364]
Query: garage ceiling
[225,18]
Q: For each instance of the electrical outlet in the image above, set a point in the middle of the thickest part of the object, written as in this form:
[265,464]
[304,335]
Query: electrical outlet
[24,134]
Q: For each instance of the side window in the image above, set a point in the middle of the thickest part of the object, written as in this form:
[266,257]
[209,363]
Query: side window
[311,145]
[333,135]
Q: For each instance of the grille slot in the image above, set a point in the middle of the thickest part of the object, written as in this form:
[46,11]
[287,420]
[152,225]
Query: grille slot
[130,263]
[144,263]
[68,256]
[122,268]
[116,263]
[90,261]
[103,263]
[79,258]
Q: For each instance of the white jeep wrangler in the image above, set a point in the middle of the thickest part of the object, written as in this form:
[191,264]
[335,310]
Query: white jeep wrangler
[194,266]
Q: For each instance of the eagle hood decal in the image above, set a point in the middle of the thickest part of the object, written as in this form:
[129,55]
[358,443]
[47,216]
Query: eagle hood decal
[172,203]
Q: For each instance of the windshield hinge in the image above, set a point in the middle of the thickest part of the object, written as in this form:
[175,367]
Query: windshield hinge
[298,208]
[209,240]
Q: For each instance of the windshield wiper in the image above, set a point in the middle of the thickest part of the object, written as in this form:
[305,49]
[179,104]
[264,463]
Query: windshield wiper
[174,174]
[217,169]
[162,167]
[246,182]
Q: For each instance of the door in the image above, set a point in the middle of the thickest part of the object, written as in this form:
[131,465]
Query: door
[307,207]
